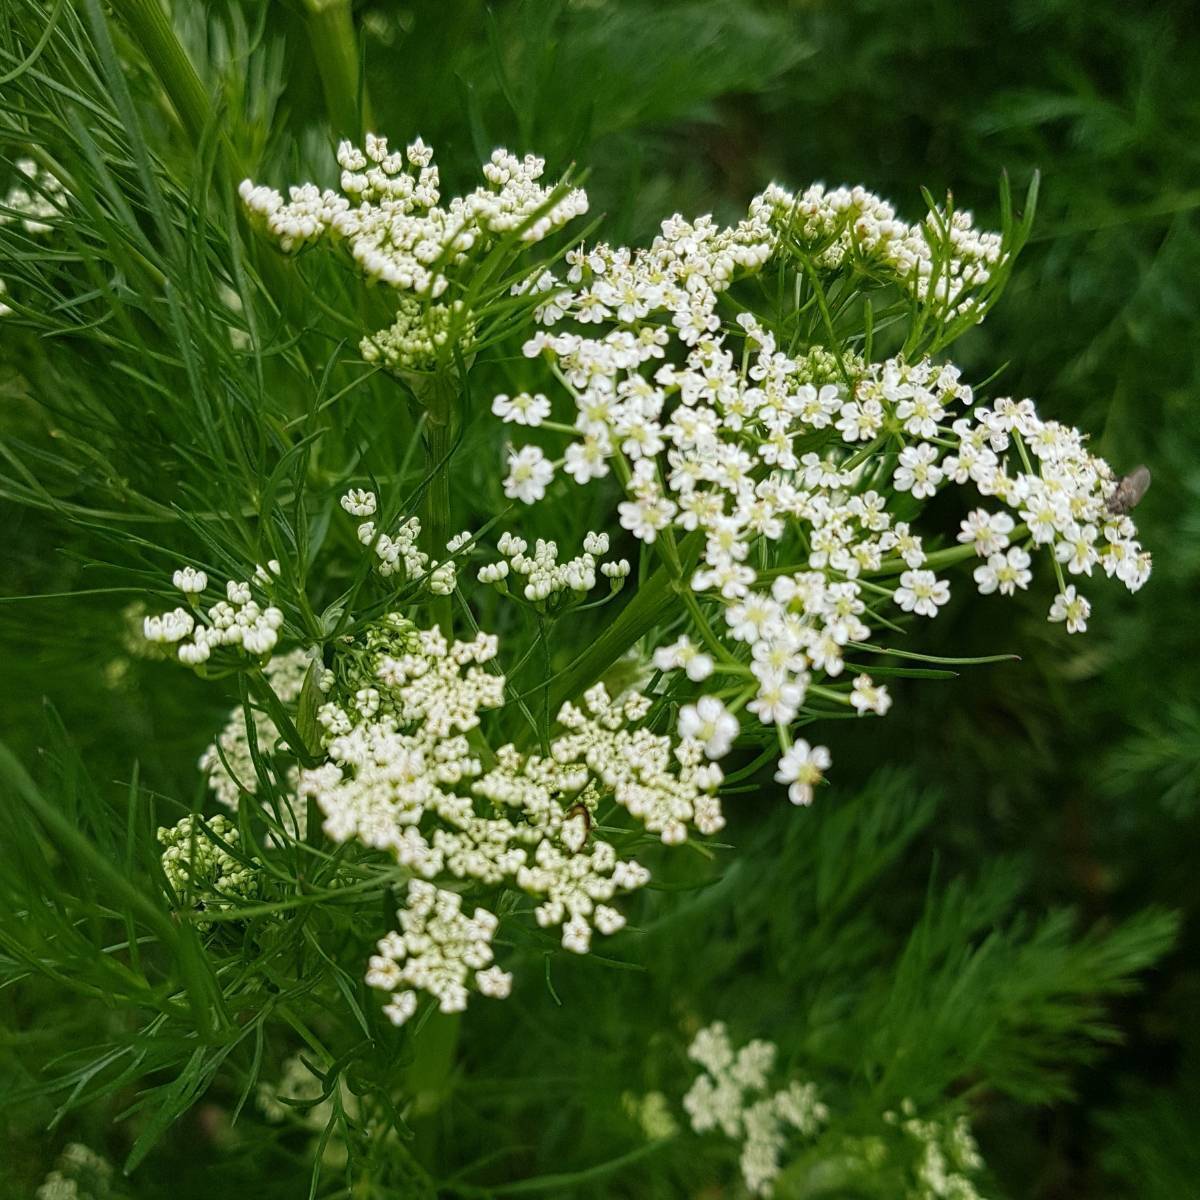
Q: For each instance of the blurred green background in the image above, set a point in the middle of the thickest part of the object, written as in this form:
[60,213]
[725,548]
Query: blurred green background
[1084,758]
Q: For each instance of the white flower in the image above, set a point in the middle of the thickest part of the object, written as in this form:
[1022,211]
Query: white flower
[803,767]
[921,592]
[988,532]
[868,696]
[1069,606]
[401,1007]
[645,516]
[777,701]
[173,626]
[522,409]
[1078,550]
[709,722]
[586,460]
[696,664]
[577,935]
[494,982]
[918,471]
[529,474]
[1004,572]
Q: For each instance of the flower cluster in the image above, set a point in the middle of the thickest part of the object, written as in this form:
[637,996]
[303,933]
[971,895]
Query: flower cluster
[651,1113]
[790,478]
[545,577]
[935,1158]
[36,199]
[304,1096]
[389,213]
[79,1174]
[407,771]
[203,874]
[732,1095]
[436,949]
[947,1154]
[238,620]
[398,553]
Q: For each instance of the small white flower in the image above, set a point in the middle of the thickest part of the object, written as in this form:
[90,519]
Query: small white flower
[522,409]
[529,474]
[577,935]
[709,722]
[586,460]
[803,767]
[401,1007]
[868,696]
[494,982]
[918,471]
[173,626]
[777,701]
[684,653]
[1004,572]
[921,592]
[988,532]
[1071,607]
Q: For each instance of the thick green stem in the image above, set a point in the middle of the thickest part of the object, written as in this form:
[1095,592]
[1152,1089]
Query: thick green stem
[151,27]
[335,47]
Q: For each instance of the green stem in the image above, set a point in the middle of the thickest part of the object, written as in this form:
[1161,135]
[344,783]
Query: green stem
[335,47]
[939,558]
[652,604]
[151,27]
[438,393]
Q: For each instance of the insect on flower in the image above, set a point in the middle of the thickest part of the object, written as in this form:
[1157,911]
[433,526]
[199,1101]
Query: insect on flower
[581,810]
[1130,489]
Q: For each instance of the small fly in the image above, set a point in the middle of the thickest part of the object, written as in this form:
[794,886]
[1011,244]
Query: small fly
[1128,493]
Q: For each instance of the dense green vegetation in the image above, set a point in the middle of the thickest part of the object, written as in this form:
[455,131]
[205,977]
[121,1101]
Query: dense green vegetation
[991,913]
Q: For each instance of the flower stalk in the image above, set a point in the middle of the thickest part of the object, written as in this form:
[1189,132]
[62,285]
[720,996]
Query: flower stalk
[335,47]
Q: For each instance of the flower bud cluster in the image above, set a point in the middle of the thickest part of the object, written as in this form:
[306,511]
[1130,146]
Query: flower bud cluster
[545,577]
[388,212]
[936,1158]
[398,553]
[79,1174]
[301,1096]
[732,1094]
[418,335]
[943,260]
[947,1154]
[238,620]
[203,874]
